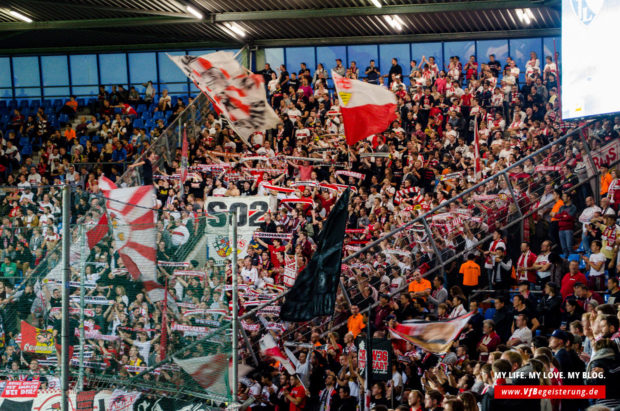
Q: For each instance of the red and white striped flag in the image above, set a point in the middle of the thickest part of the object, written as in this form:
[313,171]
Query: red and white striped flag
[96,234]
[212,372]
[133,227]
[269,348]
[105,184]
[366,109]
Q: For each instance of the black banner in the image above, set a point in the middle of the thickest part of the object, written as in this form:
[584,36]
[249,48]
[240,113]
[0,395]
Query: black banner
[382,357]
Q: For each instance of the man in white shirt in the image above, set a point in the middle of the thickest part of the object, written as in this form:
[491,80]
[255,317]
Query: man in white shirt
[542,265]
[248,273]
[584,219]
[34,178]
[521,334]
[596,264]
[293,113]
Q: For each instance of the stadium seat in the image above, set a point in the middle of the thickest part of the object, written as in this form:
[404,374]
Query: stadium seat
[47,103]
[83,140]
[118,110]
[81,102]
[3,104]
[26,150]
[63,118]
[158,115]
[58,103]
[139,123]
[141,108]
[489,313]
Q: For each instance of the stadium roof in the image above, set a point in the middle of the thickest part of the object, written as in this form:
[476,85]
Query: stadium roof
[80,24]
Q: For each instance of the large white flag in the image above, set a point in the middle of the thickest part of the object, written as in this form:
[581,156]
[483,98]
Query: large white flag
[213,372]
[237,94]
[133,227]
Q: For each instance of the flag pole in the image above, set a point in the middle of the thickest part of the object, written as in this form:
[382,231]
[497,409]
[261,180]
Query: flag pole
[235,310]
[66,277]
[82,289]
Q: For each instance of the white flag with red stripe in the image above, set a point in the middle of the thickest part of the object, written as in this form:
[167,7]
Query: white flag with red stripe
[366,109]
[105,184]
[269,348]
[212,372]
[237,93]
[133,227]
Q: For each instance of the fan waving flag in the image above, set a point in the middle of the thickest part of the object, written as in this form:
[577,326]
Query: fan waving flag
[133,227]
[269,348]
[436,337]
[238,94]
[366,109]
[36,340]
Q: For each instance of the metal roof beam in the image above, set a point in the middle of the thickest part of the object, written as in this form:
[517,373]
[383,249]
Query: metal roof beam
[77,6]
[386,9]
[96,23]
[407,38]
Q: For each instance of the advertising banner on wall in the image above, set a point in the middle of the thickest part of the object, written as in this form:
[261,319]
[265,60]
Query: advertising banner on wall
[250,211]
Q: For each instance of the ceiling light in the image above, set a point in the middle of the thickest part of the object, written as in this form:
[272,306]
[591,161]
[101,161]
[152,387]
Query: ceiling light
[376,3]
[20,16]
[195,12]
[235,28]
[525,16]
[395,22]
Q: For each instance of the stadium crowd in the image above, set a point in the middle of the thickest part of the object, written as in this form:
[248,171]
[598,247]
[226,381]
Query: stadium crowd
[542,293]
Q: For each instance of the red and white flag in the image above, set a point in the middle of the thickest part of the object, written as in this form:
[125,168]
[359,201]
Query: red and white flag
[129,110]
[212,372]
[238,94]
[269,348]
[133,227]
[477,162]
[96,234]
[435,337]
[366,109]
[105,184]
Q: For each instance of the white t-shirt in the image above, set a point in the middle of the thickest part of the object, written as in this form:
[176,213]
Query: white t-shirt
[522,334]
[543,259]
[144,349]
[249,275]
[597,258]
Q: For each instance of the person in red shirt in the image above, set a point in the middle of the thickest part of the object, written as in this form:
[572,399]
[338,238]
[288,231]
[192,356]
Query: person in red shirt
[297,395]
[571,278]
[489,341]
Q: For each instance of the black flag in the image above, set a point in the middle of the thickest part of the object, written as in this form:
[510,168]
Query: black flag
[314,291]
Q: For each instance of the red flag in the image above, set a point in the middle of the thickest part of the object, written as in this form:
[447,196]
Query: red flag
[96,234]
[478,165]
[366,109]
[129,110]
[36,340]
[184,152]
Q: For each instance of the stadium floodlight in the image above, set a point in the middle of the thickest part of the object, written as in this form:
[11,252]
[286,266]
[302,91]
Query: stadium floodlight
[376,3]
[193,11]
[20,16]
[396,22]
[235,28]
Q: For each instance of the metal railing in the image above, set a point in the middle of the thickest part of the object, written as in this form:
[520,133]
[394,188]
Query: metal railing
[514,215]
